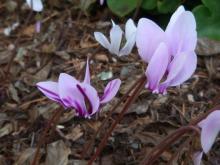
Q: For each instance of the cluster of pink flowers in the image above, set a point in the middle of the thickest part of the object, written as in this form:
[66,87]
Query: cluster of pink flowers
[171,59]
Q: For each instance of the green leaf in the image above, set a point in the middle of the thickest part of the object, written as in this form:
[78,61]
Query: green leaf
[122,7]
[149,4]
[208,19]
[167,6]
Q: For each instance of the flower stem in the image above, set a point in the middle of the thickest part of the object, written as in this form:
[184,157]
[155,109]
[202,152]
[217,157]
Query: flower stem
[88,145]
[160,148]
[119,118]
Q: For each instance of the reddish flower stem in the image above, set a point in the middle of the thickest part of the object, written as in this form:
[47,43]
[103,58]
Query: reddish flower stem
[88,145]
[160,148]
[119,118]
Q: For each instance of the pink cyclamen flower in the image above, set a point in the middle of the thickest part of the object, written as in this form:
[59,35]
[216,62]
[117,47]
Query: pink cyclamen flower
[101,2]
[210,128]
[197,158]
[116,38]
[82,96]
[170,53]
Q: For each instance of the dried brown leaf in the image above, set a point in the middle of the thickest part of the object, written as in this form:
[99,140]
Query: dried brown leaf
[57,153]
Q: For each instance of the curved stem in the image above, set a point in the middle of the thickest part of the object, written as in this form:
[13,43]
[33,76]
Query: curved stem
[203,116]
[157,151]
[119,118]
[88,145]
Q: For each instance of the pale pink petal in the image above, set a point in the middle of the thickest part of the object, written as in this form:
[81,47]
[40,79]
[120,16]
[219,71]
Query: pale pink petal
[157,67]
[187,70]
[115,38]
[38,26]
[110,90]
[36,5]
[101,2]
[68,91]
[102,40]
[128,45]
[87,74]
[181,33]
[210,128]
[175,16]
[197,158]
[181,68]
[149,36]
[91,96]
[130,29]
[49,89]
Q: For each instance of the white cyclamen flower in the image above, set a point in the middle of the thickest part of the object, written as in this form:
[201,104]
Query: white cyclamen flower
[116,37]
[36,5]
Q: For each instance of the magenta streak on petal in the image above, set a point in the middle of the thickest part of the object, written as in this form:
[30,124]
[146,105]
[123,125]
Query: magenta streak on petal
[108,90]
[79,109]
[67,101]
[52,93]
[86,98]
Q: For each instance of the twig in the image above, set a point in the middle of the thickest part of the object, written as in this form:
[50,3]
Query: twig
[119,118]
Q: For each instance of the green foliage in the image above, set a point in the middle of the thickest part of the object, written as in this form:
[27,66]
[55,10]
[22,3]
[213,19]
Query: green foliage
[149,4]
[167,6]
[122,7]
[208,19]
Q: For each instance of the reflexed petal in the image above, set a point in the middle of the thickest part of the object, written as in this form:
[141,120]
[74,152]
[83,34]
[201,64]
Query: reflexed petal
[93,98]
[110,90]
[87,74]
[181,68]
[181,34]
[128,45]
[175,16]
[130,29]
[36,5]
[197,158]
[49,89]
[149,36]
[157,67]
[210,128]
[102,40]
[115,39]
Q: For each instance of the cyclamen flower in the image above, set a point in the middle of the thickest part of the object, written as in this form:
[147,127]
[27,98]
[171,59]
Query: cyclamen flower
[82,96]
[170,53]
[197,158]
[36,5]
[210,128]
[101,2]
[116,37]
